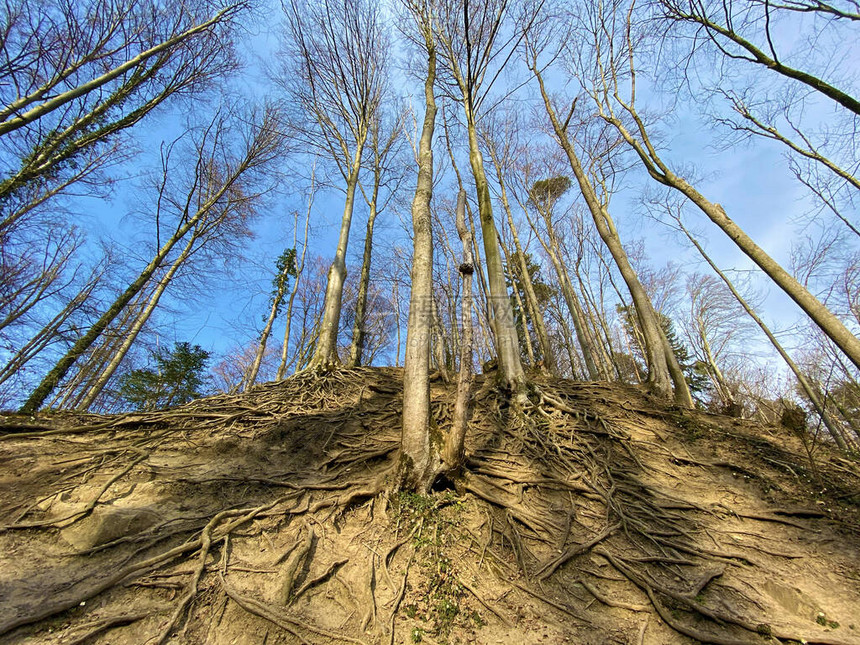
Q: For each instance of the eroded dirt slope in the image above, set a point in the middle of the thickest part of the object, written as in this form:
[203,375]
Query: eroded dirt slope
[597,516]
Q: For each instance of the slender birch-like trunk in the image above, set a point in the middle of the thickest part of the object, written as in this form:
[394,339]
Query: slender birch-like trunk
[811,393]
[567,291]
[325,355]
[300,267]
[419,460]
[453,449]
[133,332]
[356,348]
[277,301]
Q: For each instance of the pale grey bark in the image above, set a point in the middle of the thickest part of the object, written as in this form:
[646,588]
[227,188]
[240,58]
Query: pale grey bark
[660,359]
[507,344]
[720,385]
[381,151]
[356,348]
[807,387]
[453,449]
[439,343]
[73,389]
[471,48]
[419,456]
[482,308]
[606,93]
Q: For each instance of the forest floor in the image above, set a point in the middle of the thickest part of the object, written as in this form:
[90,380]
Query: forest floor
[598,516]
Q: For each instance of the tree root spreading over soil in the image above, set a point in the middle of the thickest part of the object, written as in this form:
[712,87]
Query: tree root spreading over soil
[593,516]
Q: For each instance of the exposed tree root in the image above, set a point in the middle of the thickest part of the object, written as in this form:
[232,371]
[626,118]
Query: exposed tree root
[291,482]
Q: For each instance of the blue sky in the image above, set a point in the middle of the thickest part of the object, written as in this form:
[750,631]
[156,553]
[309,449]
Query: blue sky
[752,181]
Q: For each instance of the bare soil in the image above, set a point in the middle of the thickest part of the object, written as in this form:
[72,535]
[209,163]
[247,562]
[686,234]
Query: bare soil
[597,515]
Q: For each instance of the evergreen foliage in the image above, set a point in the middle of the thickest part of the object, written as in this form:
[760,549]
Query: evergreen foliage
[285,267]
[177,377]
[695,372]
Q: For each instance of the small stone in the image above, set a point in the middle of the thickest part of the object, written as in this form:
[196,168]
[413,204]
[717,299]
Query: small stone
[108,523]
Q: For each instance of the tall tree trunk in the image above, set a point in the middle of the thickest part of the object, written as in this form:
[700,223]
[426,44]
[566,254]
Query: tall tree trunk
[251,377]
[440,344]
[356,348]
[570,297]
[482,309]
[133,332]
[452,451]
[590,315]
[720,384]
[419,461]
[659,356]
[396,296]
[59,371]
[508,346]
[829,323]
[300,267]
[530,352]
[325,355]
[71,393]
[526,279]
[807,387]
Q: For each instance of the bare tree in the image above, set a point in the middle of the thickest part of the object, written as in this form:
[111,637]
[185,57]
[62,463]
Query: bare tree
[808,388]
[538,198]
[55,331]
[502,159]
[299,270]
[419,458]
[482,306]
[285,269]
[222,181]
[822,153]
[335,74]
[130,334]
[78,74]
[383,149]
[477,39]
[660,359]
[36,274]
[725,24]
[715,322]
[609,33]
